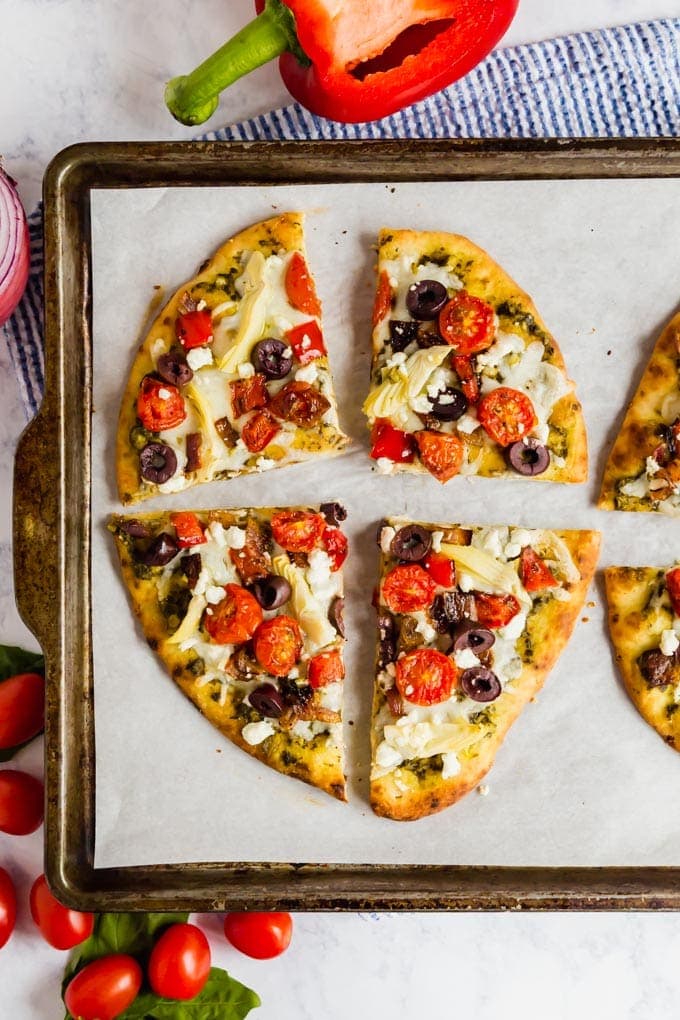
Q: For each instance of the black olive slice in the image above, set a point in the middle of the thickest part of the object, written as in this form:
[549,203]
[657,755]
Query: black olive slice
[449,404]
[271,591]
[334,513]
[473,636]
[134,528]
[411,543]
[387,635]
[174,368]
[529,457]
[163,549]
[402,333]
[266,700]
[656,668]
[480,684]
[336,615]
[273,358]
[157,463]
[426,299]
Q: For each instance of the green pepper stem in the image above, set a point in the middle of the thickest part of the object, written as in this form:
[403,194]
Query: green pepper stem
[193,98]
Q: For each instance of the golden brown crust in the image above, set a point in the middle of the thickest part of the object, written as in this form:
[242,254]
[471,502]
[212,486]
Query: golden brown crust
[638,614]
[404,796]
[484,278]
[638,436]
[280,233]
[320,765]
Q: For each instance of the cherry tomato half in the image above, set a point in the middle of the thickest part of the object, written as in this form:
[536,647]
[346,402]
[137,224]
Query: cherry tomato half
[21,802]
[672,584]
[467,323]
[104,988]
[383,298]
[194,329]
[259,935]
[507,415]
[8,907]
[22,708]
[306,341]
[248,394]
[391,443]
[495,610]
[336,546]
[425,676]
[189,529]
[160,405]
[534,572]
[300,289]
[235,619]
[179,965]
[300,403]
[441,453]
[259,430]
[326,668]
[408,589]
[298,530]
[277,644]
[61,927]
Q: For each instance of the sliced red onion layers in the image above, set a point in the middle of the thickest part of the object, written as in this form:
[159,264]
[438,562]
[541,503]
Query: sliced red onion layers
[14,247]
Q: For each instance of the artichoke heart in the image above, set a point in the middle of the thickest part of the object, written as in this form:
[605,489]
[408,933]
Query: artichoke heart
[309,612]
[485,569]
[253,314]
[188,628]
[391,397]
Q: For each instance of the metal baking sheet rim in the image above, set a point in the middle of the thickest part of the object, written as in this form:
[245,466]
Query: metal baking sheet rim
[52,536]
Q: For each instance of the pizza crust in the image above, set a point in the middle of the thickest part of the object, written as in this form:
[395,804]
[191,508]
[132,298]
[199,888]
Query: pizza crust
[320,765]
[638,437]
[484,278]
[281,233]
[636,622]
[402,795]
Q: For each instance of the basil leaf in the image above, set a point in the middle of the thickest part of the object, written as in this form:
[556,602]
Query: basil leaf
[15,660]
[223,998]
[134,934]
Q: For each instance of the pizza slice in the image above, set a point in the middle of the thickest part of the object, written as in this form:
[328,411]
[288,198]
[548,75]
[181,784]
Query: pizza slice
[644,624]
[245,610]
[466,378]
[233,376]
[471,621]
[643,469]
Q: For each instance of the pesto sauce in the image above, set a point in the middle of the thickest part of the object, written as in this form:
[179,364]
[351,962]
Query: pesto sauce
[422,767]
[519,317]
[485,717]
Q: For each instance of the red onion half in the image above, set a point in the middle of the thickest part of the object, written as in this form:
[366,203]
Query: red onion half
[14,247]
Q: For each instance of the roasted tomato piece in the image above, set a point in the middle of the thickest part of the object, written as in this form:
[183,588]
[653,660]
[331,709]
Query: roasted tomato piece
[495,610]
[326,668]
[441,569]
[534,572]
[467,323]
[298,530]
[249,394]
[259,430]
[336,546]
[194,329]
[391,443]
[673,587]
[383,298]
[441,453]
[507,415]
[252,561]
[306,341]
[425,676]
[408,588]
[464,368]
[189,529]
[300,403]
[160,405]
[278,644]
[235,619]
[300,289]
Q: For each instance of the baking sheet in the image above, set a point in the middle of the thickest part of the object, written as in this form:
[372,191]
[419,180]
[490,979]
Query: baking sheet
[581,779]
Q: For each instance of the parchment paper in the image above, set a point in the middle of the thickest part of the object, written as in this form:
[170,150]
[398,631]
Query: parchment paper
[581,779]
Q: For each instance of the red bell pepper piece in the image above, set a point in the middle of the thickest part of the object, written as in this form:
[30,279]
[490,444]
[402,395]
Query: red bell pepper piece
[189,529]
[306,341]
[391,443]
[352,61]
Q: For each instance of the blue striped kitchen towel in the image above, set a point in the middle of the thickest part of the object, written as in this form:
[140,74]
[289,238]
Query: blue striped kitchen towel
[618,82]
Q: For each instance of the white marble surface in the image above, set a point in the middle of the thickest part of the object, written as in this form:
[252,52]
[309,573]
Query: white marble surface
[76,70]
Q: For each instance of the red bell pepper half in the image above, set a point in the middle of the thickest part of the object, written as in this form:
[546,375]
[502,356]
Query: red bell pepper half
[358,60]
